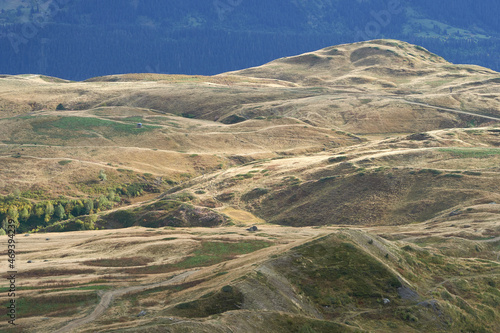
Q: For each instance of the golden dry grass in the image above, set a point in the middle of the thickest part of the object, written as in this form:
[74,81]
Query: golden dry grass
[273,143]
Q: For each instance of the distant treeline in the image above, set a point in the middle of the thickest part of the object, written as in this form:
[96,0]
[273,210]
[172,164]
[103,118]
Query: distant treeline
[77,54]
[88,38]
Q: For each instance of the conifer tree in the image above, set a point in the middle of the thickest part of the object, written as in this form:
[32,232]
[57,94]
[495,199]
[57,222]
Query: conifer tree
[24,214]
[59,212]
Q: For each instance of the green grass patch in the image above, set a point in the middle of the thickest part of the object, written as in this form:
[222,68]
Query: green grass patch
[243,176]
[54,306]
[64,162]
[75,127]
[471,152]
[212,253]
[209,253]
[134,119]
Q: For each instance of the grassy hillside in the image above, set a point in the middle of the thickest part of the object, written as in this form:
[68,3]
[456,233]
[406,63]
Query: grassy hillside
[68,141]
[439,277]
[370,171]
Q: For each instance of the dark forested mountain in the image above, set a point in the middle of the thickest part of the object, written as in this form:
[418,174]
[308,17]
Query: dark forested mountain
[78,39]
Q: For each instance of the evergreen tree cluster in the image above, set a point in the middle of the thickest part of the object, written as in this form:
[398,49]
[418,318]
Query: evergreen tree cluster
[29,215]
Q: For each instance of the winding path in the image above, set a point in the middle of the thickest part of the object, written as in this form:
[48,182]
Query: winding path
[448,109]
[108,297]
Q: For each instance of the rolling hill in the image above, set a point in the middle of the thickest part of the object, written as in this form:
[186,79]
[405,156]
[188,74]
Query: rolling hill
[371,171]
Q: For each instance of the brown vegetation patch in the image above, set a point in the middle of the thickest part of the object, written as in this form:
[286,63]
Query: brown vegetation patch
[119,262]
[34,273]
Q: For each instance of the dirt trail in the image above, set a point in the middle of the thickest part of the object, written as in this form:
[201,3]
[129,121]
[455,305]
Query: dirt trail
[108,297]
[461,277]
[102,164]
[428,105]
[491,240]
[446,109]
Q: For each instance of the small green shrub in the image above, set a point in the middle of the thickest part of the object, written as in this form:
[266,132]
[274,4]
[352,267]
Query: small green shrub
[431,171]
[337,159]
[453,175]
[254,194]
[472,173]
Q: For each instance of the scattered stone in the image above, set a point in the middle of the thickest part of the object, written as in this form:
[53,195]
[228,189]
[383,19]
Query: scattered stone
[252,228]
[492,203]
[47,238]
[45,260]
[455,212]
[26,235]
[386,301]
[142,313]
[29,261]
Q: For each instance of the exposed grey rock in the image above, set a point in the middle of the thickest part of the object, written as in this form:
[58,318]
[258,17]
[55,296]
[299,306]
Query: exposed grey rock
[142,313]
[407,293]
[252,228]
